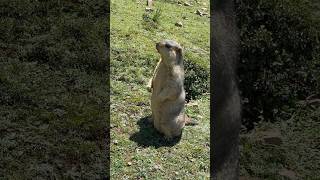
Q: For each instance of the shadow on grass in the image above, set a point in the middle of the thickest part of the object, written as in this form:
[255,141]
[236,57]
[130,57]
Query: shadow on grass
[148,136]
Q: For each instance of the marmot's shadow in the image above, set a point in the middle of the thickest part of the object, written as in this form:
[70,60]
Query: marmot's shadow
[149,136]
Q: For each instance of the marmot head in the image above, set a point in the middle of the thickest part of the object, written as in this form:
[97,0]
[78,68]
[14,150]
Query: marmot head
[170,52]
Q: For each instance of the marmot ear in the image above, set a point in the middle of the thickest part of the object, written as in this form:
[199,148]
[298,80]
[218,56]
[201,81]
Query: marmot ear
[179,50]
[179,54]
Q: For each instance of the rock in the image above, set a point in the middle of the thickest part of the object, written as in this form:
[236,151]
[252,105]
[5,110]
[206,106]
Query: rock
[59,112]
[198,12]
[272,136]
[149,9]
[192,104]
[179,24]
[187,4]
[157,167]
[191,159]
[115,142]
[199,117]
[273,140]
[287,173]
[141,104]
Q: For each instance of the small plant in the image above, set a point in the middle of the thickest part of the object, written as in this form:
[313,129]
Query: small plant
[152,19]
[279,57]
[196,80]
[157,15]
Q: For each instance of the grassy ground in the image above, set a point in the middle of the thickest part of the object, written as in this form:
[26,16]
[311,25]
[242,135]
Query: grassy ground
[137,150]
[316,7]
[53,90]
[299,153]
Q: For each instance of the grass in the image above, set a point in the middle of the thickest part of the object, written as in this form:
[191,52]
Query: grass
[299,151]
[54,97]
[137,150]
[53,90]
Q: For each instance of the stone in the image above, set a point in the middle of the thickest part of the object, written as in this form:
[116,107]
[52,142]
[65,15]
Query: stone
[187,4]
[272,136]
[198,12]
[179,24]
[288,173]
[115,142]
[149,9]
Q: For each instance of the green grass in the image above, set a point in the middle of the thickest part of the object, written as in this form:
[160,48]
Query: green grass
[53,90]
[137,150]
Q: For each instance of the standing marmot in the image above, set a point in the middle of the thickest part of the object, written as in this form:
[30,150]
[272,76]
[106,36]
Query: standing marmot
[168,94]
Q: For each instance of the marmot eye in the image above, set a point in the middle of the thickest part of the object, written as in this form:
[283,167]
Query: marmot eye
[168,46]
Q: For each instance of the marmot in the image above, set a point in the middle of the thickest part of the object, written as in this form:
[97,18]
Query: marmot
[168,94]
